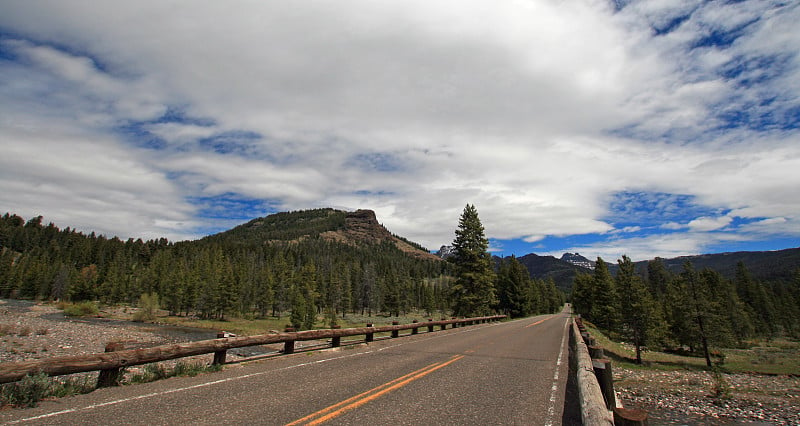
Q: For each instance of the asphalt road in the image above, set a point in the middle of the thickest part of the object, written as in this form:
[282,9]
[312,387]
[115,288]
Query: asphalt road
[491,374]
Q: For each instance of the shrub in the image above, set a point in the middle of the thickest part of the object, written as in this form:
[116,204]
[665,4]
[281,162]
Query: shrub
[148,305]
[26,392]
[34,388]
[81,309]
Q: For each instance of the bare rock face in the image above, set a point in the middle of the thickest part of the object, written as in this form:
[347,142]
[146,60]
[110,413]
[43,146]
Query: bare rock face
[363,226]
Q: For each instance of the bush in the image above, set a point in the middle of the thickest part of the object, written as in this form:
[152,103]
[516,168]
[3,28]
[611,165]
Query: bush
[156,371]
[81,309]
[26,392]
[148,305]
[34,388]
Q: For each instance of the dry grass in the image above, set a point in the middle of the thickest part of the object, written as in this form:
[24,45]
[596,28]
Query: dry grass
[773,357]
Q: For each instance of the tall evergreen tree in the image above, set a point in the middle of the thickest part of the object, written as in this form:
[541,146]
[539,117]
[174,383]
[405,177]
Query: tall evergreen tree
[639,315]
[604,313]
[513,288]
[699,320]
[583,294]
[473,292]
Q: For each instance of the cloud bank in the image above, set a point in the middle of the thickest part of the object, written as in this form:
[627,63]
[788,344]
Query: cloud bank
[642,127]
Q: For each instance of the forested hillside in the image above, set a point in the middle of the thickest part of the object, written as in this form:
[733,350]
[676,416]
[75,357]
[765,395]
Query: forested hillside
[306,262]
[767,266]
[695,309]
[561,272]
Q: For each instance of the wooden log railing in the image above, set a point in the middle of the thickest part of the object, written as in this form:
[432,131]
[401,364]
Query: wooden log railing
[599,387]
[116,359]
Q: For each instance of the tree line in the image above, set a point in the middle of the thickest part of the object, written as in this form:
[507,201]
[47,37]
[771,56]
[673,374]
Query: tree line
[693,310]
[218,277]
[250,271]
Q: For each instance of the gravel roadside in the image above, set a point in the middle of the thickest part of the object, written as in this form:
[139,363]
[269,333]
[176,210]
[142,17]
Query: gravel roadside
[685,397]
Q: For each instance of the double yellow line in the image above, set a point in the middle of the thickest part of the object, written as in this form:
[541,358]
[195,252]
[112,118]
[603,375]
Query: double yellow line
[352,403]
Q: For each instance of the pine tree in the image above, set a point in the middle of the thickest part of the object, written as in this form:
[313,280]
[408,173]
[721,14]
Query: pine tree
[640,319]
[698,316]
[758,302]
[604,313]
[513,284]
[583,294]
[473,292]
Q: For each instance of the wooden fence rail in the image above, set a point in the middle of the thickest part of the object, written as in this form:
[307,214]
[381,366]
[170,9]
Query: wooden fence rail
[56,366]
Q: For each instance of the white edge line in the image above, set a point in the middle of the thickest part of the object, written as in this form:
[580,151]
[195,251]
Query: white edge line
[229,379]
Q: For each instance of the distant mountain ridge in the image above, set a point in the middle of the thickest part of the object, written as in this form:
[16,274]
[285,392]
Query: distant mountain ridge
[767,266]
[548,267]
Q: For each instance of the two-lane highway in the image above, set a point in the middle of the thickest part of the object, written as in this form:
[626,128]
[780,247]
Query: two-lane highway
[503,373]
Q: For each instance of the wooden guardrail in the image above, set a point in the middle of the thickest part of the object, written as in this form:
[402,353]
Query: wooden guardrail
[113,359]
[596,384]
[592,402]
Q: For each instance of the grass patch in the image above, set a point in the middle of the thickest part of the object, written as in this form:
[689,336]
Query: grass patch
[32,389]
[157,371]
[762,357]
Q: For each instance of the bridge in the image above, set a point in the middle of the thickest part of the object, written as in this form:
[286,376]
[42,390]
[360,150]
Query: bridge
[513,372]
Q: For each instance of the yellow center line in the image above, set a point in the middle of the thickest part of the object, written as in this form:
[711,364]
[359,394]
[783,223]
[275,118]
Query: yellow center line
[541,321]
[351,403]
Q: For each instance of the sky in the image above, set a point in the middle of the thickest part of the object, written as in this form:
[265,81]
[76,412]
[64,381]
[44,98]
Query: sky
[604,127]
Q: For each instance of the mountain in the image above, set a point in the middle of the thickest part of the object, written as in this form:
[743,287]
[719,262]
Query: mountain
[351,228]
[578,260]
[766,266]
[546,267]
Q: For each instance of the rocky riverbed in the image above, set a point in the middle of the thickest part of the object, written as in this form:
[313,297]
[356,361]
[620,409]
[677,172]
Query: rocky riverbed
[684,397]
[32,331]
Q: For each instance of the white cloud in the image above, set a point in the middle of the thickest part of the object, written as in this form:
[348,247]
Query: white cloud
[704,224]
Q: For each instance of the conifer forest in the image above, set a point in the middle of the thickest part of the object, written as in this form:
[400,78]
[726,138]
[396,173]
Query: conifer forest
[273,266]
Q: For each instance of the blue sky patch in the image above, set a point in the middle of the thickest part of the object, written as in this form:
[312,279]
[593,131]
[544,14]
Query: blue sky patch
[136,134]
[178,115]
[238,142]
[654,209]
[228,210]
[722,39]
[751,71]
[673,24]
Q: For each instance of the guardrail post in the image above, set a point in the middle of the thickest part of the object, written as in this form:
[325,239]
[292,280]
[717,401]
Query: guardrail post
[219,356]
[630,417]
[605,378]
[430,326]
[414,330]
[395,333]
[369,336]
[455,324]
[444,326]
[596,352]
[336,341]
[288,346]
[111,376]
